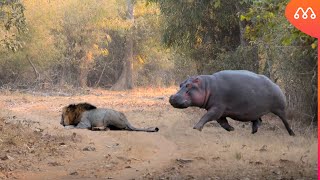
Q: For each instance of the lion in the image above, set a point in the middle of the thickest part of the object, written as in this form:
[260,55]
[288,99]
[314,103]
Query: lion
[87,116]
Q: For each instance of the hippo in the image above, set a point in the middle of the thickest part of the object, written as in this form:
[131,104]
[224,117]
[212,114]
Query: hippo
[238,94]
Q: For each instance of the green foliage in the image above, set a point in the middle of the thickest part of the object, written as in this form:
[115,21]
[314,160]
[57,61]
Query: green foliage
[269,25]
[79,37]
[201,29]
[242,58]
[153,63]
[12,23]
[194,23]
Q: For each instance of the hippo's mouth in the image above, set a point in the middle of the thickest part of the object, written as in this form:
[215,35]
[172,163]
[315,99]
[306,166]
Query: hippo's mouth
[180,106]
[179,102]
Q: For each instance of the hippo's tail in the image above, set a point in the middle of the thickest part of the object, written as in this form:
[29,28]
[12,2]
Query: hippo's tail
[150,129]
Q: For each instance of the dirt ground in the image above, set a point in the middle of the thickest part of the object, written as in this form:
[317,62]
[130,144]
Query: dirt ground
[33,145]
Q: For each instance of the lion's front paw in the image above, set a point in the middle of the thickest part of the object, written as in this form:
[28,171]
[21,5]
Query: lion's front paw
[69,127]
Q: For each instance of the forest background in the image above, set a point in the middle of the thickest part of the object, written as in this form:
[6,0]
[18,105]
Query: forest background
[59,45]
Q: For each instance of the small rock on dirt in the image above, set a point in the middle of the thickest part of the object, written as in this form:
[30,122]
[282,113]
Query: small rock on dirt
[6,157]
[184,161]
[54,164]
[74,173]
[255,162]
[200,158]
[263,148]
[277,172]
[160,98]
[36,129]
[89,148]
[215,158]
[113,145]
[285,161]
[108,165]
[190,177]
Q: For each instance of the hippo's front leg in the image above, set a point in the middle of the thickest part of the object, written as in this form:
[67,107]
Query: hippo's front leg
[212,114]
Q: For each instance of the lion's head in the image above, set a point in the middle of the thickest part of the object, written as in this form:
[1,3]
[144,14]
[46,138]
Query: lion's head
[71,115]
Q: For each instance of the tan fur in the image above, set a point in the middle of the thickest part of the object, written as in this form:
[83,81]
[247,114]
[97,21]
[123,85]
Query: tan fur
[87,116]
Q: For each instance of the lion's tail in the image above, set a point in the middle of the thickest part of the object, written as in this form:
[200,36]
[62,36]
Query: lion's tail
[150,129]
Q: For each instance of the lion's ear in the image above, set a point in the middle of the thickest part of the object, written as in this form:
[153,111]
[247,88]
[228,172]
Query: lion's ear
[71,107]
[88,106]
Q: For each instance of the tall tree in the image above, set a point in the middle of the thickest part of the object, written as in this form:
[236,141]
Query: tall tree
[125,80]
[201,29]
[77,38]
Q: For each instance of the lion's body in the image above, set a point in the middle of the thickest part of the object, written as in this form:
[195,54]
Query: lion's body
[87,116]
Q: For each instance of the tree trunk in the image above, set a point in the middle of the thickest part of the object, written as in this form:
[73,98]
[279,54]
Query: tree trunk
[242,27]
[83,77]
[125,80]
[85,65]
[62,81]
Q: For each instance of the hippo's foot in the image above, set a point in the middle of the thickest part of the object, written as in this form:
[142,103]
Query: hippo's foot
[255,125]
[291,133]
[198,127]
[254,131]
[224,123]
[230,128]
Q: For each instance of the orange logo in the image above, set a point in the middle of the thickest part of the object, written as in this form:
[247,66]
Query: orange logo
[305,16]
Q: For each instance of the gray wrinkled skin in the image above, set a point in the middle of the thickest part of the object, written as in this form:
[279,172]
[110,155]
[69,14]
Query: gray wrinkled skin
[98,119]
[237,94]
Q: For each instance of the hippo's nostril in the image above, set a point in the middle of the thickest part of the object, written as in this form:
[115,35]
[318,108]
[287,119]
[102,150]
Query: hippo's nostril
[173,100]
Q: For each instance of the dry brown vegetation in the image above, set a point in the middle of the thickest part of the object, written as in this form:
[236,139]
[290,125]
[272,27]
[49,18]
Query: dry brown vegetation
[33,145]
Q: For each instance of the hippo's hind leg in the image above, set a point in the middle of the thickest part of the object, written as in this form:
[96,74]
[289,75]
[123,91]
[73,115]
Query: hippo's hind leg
[282,116]
[255,125]
[224,123]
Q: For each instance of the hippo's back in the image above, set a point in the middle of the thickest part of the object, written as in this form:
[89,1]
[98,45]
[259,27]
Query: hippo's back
[238,74]
[244,80]
[245,93]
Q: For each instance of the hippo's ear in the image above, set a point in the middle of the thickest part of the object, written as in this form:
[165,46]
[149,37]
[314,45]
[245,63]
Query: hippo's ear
[196,80]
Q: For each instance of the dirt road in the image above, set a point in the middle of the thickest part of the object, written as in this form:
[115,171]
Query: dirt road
[43,149]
